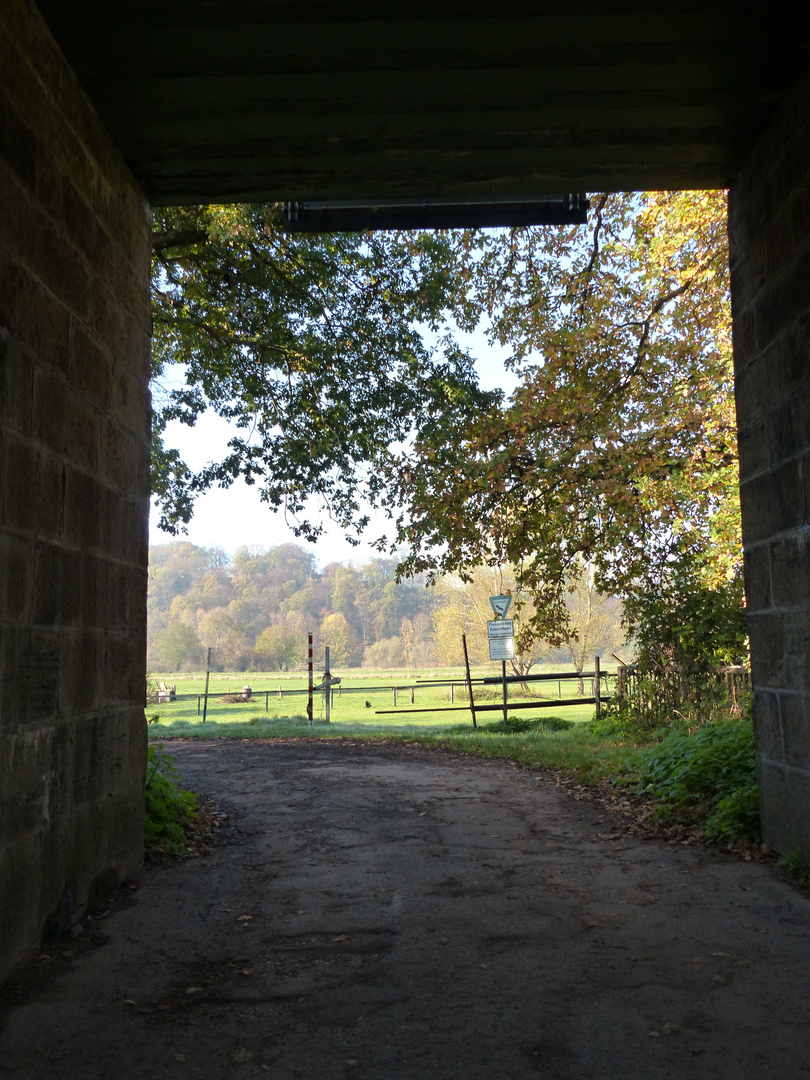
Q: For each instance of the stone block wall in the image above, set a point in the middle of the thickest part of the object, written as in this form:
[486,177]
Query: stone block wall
[770,279]
[74,457]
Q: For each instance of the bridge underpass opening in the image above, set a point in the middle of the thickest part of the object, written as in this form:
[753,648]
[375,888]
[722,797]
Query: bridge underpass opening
[237,102]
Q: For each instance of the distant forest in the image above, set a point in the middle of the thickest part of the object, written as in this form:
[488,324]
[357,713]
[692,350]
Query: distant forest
[256,608]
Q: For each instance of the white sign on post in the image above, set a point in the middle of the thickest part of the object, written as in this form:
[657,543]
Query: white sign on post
[502,648]
[500,628]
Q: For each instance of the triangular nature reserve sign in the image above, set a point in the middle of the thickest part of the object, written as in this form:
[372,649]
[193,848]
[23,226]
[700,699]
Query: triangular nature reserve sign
[500,605]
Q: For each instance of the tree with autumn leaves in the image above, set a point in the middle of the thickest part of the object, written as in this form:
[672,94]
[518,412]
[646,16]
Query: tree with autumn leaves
[618,447]
[313,347]
[617,450]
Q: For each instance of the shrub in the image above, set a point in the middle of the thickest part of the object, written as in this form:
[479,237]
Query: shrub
[710,773]
[517,725]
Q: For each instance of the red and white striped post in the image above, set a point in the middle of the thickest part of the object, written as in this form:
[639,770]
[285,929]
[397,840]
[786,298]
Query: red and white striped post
[309,702]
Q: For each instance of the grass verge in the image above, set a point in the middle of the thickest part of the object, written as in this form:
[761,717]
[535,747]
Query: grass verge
[555,741]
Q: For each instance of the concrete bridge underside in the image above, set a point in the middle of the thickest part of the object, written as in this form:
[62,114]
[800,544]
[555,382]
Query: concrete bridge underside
[104,111]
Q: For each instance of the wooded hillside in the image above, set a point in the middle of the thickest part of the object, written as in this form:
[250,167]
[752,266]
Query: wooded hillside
[256,609]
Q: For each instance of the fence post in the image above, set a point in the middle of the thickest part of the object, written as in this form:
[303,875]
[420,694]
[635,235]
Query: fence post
[267,701]
[395,697]
[309,699]
[597,683]
[469,679]
[412,696]
[452,693]
[207,676]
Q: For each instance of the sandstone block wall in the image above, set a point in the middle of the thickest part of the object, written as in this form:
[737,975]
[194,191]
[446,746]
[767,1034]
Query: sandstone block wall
[74,455]
[770,281]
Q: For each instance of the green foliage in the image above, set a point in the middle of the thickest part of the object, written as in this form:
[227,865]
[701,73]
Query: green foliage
[312,346]
[618,448]
[617,451]
[385,653]
[735,817]
[676,618]
[170,809]
[711,773]
[176,644]
[796,865]
[669,698]
[573,750]
[615,721]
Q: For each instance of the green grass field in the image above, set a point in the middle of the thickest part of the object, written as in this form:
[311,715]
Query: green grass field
[365,703]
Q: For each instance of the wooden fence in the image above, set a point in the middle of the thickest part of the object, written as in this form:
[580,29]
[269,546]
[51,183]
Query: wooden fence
[503,681]
[671,691]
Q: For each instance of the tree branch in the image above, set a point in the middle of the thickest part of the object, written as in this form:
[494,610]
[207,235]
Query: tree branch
[183,238]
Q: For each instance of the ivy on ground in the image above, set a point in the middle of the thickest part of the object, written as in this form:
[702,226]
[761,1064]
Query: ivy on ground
[709,775]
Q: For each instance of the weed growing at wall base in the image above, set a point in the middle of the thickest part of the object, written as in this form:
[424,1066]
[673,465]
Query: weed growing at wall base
[796,866]
[170,809]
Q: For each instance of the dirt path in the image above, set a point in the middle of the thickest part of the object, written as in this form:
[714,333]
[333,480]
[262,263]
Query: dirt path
[388,914]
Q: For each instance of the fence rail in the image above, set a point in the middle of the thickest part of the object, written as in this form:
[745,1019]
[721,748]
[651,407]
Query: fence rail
[505,681]
[463,687]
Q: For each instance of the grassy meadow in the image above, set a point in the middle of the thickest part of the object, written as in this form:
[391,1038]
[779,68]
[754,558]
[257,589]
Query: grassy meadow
[365,703]
[550,734]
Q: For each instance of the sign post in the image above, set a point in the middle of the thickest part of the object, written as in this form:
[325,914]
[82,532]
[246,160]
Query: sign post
[503,676]
[501,634]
